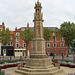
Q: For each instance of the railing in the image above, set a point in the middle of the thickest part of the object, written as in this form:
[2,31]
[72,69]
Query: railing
[12,58]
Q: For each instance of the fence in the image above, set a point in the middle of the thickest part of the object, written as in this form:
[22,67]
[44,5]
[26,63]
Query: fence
[12,57]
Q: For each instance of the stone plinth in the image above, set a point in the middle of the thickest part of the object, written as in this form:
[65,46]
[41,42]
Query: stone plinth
[39,63]
[44,71]
[40,66]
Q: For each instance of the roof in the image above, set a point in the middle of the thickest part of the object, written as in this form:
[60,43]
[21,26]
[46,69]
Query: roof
[19,30]
[32,28]
[12,32]
[52,28]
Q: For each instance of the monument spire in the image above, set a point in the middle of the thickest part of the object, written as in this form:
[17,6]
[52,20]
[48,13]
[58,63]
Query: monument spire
[38,21]
[37,0]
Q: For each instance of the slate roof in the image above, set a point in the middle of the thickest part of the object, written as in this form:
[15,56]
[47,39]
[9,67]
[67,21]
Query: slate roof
[52,28]
[32,28]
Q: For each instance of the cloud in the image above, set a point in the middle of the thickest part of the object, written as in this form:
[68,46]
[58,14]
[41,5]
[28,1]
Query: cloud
[19,12]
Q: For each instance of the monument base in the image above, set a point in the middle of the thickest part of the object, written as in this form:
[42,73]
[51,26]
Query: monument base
[40,67]
[48,71]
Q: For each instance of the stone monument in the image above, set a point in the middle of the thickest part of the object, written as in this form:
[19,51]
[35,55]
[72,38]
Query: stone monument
[39,63]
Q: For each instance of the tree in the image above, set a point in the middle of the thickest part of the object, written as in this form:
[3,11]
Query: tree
[73,46]
[67,30]
[47,33]
[5,36]
[27,36]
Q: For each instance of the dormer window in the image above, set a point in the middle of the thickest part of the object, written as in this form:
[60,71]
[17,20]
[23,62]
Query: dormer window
[22,29]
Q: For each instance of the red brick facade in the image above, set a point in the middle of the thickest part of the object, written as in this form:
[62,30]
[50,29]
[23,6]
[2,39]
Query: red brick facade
[56,44]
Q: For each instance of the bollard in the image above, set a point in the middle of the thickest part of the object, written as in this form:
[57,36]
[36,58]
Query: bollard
[20,57]
[10,57]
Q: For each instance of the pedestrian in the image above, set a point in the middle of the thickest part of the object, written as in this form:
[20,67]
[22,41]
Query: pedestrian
[53,55]
[62,55]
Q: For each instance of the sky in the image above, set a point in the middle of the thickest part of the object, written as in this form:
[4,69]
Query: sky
[17,13]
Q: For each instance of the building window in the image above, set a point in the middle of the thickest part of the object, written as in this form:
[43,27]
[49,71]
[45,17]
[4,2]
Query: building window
[62,44]
[24,45]
[61,38]
[23,41]
[22,29]
[17,45]
[54,44]
[54,38]
[59,53]
[48,44]
[11,37]
[11,43]
[17,39]
[54,51]
[62,51]
[15,50]
[17,34]
[18,50]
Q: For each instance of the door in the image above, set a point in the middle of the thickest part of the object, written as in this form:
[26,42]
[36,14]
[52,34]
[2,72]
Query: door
[59,53]
[28,53]
[48,52]
[4,52]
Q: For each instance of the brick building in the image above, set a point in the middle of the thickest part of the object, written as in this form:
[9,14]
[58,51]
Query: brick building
[56,44]
[1,27]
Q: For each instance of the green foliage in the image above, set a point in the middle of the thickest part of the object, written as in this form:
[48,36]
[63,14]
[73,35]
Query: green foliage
[27,36]
[2,72]
[5,36]
[67,30]
[2,62]
[47,33]
[73,46]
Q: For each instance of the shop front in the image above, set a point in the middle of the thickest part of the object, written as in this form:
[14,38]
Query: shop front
[7,50]
[20,52]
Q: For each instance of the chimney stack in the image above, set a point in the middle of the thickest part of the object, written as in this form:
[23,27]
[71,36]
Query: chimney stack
[15,28]
[3,25]
[27,25]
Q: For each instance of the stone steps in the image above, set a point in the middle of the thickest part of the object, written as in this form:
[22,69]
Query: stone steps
[39,67]
[55,72]
[39,70]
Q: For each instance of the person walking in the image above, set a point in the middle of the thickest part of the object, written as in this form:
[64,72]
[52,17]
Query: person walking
[62,55]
